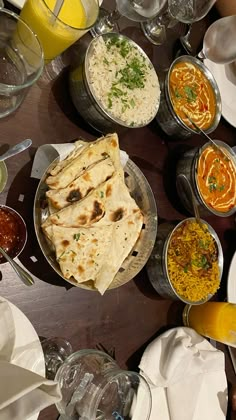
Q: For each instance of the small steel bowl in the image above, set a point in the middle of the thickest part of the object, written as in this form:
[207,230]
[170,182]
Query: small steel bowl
[21,233]
[3,175]
[167,118]
[157,264]
[188,165]
[84,99]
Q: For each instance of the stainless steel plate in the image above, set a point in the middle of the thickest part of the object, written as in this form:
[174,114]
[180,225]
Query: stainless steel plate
[141,191]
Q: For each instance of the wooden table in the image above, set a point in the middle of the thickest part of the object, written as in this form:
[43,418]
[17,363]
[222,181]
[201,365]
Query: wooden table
[128,317]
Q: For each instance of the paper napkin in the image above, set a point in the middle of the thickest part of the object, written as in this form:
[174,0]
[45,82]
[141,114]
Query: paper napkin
[186,375]
[23,393]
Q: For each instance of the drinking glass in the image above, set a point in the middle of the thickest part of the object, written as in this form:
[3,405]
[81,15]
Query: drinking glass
[21,61]
[55,350]
[219,42]
[57,33]
[216,320]
[189,11]
[95,388]
[135,10]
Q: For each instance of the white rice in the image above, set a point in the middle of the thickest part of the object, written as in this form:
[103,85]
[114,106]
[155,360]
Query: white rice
[133,105]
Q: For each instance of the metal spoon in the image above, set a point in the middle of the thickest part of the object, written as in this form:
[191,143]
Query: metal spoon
[194,202]
[18,148]
[200,131]
[22,274]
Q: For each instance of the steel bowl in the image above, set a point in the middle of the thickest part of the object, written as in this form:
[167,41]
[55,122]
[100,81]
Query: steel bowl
[167,118]
[21,233]
[157,264]
[84,99]
[188,165]
[3,175]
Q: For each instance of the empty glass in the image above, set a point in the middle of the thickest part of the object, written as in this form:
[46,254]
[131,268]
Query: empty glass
[95,388]
[21,61]
[56,350]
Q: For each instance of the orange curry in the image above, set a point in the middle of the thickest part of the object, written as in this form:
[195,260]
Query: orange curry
[216,179]
[192,94]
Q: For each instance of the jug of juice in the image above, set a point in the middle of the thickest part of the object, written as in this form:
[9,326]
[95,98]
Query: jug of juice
[216,320]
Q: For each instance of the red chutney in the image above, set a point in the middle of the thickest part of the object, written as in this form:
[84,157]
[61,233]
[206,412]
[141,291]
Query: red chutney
[216,179]
[9,231]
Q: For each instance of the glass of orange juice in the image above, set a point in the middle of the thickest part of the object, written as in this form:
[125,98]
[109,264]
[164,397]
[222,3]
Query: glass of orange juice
[216,320]
[57,33]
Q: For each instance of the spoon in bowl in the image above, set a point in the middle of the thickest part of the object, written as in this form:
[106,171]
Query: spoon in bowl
[18,148]
[22,274]
[194,202]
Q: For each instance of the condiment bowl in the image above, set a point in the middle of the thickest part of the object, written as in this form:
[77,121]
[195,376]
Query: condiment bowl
[13,232]
[157,264]
[3,175]
[167,117]
[188,165]
[91,107]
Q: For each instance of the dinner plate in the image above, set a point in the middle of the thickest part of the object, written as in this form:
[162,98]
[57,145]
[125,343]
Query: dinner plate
[225,75]
[142,193]
[27,351]
[231,285]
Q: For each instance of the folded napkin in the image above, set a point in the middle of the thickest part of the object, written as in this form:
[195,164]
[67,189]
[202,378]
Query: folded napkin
[48,152]
[23,393]
[186,375]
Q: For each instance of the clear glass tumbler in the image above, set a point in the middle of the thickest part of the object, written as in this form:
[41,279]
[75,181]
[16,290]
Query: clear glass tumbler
[57,32]
[95,388]
[21,61]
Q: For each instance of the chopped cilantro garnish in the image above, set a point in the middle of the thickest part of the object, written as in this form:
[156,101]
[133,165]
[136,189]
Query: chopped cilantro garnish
[76,236]
[191,95]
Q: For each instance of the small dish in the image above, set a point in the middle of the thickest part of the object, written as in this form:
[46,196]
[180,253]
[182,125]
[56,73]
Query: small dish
[231,284]
[13,230]
[3,175]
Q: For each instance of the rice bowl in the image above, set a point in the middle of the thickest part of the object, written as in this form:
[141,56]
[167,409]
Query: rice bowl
[122,80]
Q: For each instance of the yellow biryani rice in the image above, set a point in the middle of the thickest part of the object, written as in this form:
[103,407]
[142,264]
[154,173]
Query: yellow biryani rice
[192,261]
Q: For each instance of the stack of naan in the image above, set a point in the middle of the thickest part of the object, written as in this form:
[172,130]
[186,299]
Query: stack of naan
[94,222]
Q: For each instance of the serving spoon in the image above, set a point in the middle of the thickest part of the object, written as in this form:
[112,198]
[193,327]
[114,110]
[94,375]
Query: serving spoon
[22,274]
[200,131]
[18,148]
[193,199]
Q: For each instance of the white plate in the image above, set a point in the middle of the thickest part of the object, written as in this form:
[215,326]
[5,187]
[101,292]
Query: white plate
[20,3]
[225,75]
[27,351]
[231,286]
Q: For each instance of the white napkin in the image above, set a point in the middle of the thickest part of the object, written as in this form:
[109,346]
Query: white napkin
[48,152]
[186,375]
[23,393]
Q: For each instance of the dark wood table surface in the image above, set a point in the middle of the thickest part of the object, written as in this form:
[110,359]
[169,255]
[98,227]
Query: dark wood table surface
[131,316]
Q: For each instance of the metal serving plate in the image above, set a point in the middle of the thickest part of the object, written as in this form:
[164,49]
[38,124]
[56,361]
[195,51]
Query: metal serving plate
[141,191]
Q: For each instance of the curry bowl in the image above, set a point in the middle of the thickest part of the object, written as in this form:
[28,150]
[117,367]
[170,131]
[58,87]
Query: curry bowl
[115,86]
[188,89]
[213,179]
[13,230]
[187,262]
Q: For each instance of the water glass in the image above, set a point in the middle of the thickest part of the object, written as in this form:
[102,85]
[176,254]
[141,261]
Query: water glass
[21,61]
[95,388]
[216,320]
[56,350]
[57,32]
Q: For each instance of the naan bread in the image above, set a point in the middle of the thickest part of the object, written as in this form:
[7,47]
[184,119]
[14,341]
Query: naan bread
[79,147]
[108,203]
[81,186]
[102,148]
[96,253]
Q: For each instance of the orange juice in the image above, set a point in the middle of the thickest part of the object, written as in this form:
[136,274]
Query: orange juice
[216,320]
[55,34]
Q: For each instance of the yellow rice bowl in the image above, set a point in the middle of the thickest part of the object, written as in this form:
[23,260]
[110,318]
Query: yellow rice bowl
[192,261]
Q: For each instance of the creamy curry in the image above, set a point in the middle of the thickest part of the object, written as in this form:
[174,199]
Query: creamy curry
[216,179]
[192,94]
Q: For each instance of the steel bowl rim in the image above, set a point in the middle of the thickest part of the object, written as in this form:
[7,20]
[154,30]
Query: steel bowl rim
[100,107]
[4,172]
[16,215]
[214,86]
[195,165]
[164,259]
